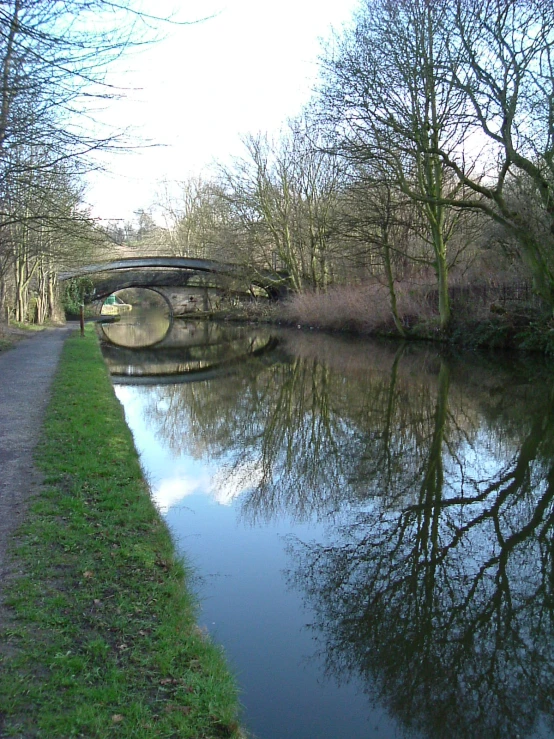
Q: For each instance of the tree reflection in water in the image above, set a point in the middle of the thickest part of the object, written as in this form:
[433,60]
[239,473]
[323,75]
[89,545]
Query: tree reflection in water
[436,582]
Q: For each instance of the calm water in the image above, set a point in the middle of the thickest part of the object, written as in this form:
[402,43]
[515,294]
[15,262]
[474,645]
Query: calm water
[372,525]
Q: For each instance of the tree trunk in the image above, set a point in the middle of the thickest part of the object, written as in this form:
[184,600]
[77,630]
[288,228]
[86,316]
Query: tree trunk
[392,292]
[3,314]
[442,280]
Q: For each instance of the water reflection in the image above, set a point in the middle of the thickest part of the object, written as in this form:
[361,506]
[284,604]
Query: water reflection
[433,478]
[139,328]
[188,352]
[445,605]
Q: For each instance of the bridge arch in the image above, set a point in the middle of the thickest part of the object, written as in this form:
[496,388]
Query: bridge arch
[152,289]
[140,334]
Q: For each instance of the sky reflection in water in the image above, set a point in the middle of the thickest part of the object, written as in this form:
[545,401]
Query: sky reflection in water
[373,530]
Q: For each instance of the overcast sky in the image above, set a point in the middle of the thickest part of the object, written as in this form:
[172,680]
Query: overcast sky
[197,91]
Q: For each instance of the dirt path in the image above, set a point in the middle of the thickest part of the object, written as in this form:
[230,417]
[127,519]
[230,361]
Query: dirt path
[26,373]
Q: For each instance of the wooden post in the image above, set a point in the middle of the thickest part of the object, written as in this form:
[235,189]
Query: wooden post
[82,319]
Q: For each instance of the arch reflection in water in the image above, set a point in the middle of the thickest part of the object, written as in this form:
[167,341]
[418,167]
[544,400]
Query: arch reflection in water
[147,324]
[429,573]
[192,351]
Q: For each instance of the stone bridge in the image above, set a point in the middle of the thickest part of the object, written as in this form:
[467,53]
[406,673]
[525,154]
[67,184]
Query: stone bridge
[170,276]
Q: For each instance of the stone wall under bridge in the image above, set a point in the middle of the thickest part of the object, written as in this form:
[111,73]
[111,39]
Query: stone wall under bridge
[187,300]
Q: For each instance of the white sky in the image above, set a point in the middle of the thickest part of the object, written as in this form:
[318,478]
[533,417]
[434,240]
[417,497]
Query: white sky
[197,91]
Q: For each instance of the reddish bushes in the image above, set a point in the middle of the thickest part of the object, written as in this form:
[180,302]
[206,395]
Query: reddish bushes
[362,308]
[366,308]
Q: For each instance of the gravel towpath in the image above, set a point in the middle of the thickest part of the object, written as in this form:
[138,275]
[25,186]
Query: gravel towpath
[26,374]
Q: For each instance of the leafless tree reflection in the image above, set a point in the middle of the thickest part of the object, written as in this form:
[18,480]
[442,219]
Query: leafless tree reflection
[435,582]
[445,605]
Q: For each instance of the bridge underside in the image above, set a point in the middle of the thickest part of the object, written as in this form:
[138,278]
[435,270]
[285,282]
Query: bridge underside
[184,292]
[107,283]
[173,272]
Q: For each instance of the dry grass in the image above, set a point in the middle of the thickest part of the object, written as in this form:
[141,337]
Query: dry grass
[366,308]
[360,308]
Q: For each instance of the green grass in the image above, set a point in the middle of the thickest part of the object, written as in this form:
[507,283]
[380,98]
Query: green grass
[103,641]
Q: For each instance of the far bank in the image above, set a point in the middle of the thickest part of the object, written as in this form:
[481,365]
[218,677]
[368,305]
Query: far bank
[482,318]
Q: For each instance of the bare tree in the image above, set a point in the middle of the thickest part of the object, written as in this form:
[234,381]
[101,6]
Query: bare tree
[386,98]
[502,62]
[196,219]
[54,59]
[285,192]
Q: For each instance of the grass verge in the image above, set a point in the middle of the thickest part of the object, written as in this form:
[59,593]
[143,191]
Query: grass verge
[102,640]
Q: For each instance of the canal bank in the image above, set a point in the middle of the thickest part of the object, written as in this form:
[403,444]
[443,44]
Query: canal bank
[514,328]
[99,632]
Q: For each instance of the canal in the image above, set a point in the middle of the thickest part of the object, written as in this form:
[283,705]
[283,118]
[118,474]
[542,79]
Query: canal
[371,524]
